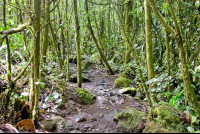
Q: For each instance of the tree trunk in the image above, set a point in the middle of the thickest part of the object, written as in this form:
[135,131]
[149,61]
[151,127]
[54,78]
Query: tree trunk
[78,51]
[45,36]
[36,25]
[151,73]
[95,40]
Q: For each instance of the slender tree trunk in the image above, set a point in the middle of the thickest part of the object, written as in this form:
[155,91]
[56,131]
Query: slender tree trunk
[167,52]
[78,51]
[36,25]
[95,40]
[151,73]
[7,98]
[67,32]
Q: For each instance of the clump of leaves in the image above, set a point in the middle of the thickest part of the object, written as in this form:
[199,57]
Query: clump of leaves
[55,98]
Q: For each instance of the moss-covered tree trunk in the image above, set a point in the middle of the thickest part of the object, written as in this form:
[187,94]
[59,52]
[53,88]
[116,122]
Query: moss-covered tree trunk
[67,34]
[128,27]
[167,52]
[36,26]
[45,34]
[95,40]
[78,51]
[7,98]
[151,73]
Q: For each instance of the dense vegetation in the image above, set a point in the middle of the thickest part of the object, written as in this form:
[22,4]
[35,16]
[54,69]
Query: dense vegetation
[155,45]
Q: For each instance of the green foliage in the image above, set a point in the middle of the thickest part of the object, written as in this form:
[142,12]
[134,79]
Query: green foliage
[2,77]
[54,98]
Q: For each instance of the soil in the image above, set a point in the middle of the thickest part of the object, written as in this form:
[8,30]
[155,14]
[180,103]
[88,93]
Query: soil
[98,115]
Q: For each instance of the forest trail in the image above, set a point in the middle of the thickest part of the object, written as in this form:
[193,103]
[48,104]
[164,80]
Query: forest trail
[98,116]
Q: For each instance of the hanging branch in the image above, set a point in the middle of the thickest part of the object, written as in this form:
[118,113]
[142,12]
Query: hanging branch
[20,28]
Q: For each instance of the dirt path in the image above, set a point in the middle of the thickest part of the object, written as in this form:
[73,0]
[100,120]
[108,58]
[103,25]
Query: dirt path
[99,115]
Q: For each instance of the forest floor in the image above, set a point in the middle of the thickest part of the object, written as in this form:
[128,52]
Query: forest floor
[94,118]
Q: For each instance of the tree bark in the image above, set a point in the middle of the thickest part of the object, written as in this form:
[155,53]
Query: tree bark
[78,51]
[151,73]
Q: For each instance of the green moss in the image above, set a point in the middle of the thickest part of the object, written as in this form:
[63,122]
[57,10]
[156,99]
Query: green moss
[166,115]
[166,120]
[128,120]
[85,95]
[126,72]
[86,65]
[121,82]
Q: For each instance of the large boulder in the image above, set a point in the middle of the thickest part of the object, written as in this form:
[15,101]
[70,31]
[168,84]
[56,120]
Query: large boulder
[121,82]
[128,120]
[86,96]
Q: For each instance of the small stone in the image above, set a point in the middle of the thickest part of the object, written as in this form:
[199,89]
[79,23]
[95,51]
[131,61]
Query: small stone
[87,126]
[66,112]
[79,118]
[93,119]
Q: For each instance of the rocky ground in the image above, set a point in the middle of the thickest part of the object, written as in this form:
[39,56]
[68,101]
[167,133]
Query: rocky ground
[110,111]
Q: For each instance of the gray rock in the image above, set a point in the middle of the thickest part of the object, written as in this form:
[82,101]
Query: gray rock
[64,126]
[66,112]
[113,93]
[111,116]
[79,118]
[114,131]
[87,126]
[49,125]
[100,88]
[102,126]
[101,115]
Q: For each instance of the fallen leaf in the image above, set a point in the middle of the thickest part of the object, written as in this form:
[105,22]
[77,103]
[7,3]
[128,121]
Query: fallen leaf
[91,88]
[26,125]
[42,111]
[111,81]
[123,106]
[108,108]
[127,107]
[139,86]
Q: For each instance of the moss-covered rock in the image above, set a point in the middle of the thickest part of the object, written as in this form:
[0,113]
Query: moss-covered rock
[166,120]
[129,90]
[85,95]
[86,65]
[126,72]
[166,115]
[121,82]
[49,125]
[128,120]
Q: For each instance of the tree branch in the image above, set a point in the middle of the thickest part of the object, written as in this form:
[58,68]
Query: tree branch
[12,31]
[160,18]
